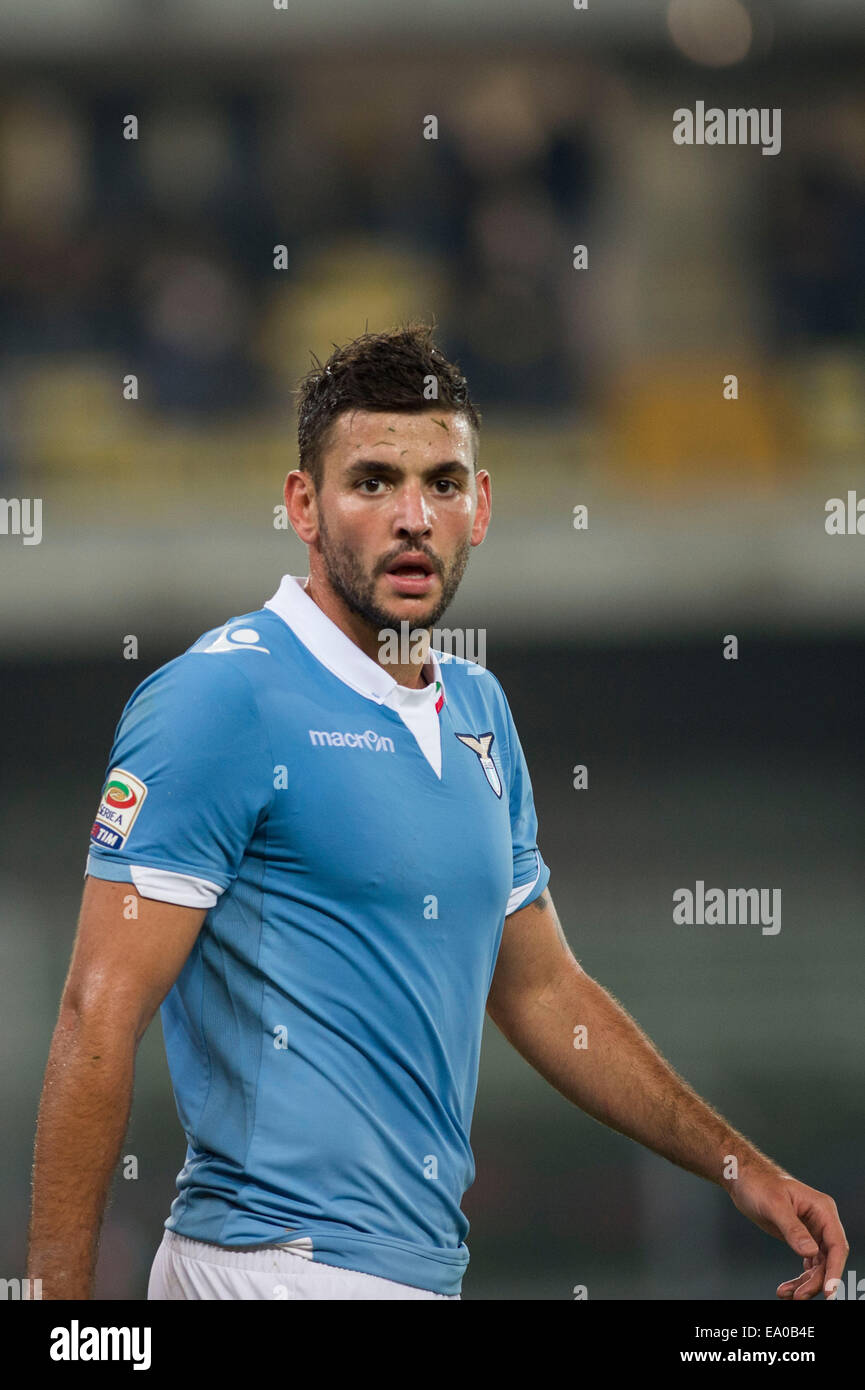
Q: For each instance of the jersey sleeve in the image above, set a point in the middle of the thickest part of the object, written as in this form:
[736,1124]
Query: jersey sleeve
[531,874]
[189,776]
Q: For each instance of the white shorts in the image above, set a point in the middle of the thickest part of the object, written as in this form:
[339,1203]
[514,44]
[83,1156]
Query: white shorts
[185,1268]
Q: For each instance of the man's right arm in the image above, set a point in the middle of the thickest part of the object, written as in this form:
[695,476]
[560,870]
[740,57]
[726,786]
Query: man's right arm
[128,952]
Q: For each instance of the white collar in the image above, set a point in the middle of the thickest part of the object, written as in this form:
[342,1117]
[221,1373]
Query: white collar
[335,650]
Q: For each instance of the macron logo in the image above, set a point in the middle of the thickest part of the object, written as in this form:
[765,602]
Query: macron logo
[376,743]
[237,639]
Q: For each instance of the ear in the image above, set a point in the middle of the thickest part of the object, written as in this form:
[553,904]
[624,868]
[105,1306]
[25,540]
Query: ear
[484,507]
[301,505]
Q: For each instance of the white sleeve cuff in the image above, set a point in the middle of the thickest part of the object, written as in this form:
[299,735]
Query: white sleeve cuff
[167,887]
[519,895]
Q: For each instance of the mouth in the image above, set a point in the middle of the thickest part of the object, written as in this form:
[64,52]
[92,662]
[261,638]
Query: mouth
[410,574]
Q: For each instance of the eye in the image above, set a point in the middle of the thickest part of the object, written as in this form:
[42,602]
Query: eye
[364,481]
[448,483]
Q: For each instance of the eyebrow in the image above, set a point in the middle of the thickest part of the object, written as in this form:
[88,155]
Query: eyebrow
[362,468]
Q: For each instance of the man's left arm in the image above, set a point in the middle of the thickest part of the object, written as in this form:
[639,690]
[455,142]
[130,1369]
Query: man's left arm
[540,996]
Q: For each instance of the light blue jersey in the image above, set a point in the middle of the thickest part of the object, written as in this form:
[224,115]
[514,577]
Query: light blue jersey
[357,846]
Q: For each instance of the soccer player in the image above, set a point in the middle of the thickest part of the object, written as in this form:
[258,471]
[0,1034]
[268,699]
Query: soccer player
[324,867]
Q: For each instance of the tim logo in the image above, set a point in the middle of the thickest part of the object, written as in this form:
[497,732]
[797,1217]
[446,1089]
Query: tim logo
[376,743]
[482,745]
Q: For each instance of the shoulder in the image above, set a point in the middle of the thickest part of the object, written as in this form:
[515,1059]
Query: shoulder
[475,684]
[217,675]
[246,635]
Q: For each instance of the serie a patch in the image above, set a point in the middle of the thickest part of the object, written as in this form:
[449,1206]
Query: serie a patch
[122,798]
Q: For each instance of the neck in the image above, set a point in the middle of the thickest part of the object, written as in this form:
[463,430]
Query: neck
[408,663]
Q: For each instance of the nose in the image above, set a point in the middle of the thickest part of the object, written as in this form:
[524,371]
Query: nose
[413,515]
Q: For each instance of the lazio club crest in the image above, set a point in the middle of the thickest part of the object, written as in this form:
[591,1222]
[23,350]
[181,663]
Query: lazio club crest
[481,745]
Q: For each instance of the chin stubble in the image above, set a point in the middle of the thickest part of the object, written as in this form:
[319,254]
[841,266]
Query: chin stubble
[357,589]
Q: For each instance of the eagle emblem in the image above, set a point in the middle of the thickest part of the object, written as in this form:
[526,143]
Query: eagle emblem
[482,745]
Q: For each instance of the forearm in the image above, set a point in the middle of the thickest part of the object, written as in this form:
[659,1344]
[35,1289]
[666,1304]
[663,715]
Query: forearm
[83,1114]
[620,1078]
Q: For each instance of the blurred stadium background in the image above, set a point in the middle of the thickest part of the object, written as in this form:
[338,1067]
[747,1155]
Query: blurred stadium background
[304,128]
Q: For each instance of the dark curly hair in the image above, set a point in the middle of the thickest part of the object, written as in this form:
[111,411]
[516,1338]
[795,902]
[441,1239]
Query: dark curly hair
[377,371]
